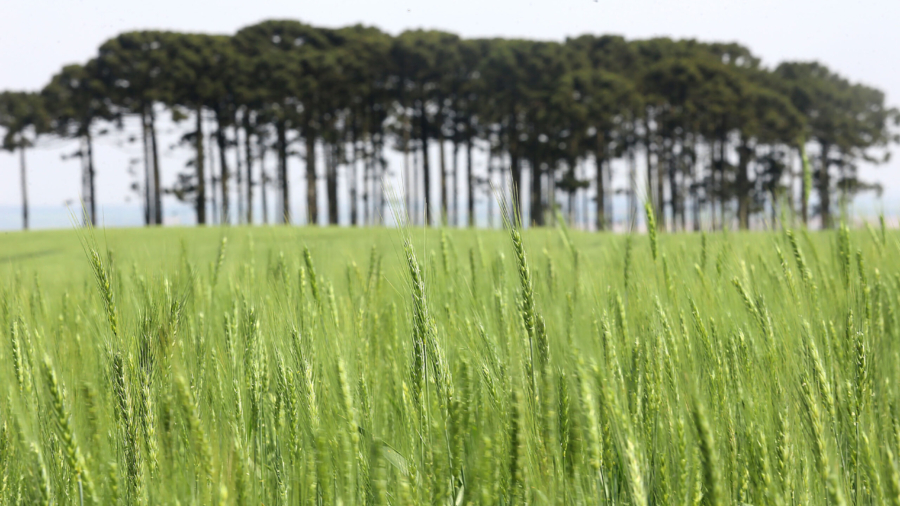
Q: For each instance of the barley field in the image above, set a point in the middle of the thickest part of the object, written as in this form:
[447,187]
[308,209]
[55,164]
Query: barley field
[283,366]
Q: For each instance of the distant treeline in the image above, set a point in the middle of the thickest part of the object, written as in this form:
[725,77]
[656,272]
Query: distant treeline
[717,136]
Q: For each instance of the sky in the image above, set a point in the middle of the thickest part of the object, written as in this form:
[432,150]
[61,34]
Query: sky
[37,37]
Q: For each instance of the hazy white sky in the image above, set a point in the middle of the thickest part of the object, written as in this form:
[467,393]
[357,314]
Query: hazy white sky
[859,39]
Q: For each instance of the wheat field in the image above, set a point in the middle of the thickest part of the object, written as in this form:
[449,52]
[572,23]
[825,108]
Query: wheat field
[283,366]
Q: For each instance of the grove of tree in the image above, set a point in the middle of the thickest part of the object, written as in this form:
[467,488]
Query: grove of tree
[704,132]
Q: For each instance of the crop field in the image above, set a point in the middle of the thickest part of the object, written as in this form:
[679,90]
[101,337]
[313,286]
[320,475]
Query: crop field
[283,366]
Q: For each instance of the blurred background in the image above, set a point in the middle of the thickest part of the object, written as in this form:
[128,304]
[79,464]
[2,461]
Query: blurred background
[181,112]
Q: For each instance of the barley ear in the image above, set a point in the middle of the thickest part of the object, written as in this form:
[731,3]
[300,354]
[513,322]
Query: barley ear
[62,421]
[712,478]
[651,228]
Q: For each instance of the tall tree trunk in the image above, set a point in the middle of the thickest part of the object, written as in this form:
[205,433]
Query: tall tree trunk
[571,210]
[443,166]
[362,153]
[407,170]
[470,180]
[238,169]
[370,167]
[743,186]
[537,205]
[504,186]
[550,187]
[201,177]
[455,180]
[695,200]
[696,212]
[370,180]
[353,182]
[804,204]
[223,168]
[600,201]
[148,198]
[157,188]
[263,179]
[632,189]
[712,190]
[723,143]
[248,158]
[682,201]
[90,167]
[312,204]
[331,168]
[281,128]
[661,161]
[608,210]
[426,166]
[581,199]
[515,169]
[648,145]
[687,181]
[82,149]
[379,167]
[773,196]
[417,177]
[489,169]
[24,180]
[672,169]
[651,193]
[823,187]
[214,181]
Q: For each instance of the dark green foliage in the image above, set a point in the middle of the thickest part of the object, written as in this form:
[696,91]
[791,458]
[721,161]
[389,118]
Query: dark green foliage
[715,130]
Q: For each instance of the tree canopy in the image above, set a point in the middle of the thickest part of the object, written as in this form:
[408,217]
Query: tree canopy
[716,134]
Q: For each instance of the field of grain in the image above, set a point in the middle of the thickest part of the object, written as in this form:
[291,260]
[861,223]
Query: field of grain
[271,366]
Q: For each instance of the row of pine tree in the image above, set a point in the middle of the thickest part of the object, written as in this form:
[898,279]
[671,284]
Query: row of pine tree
[702,131]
